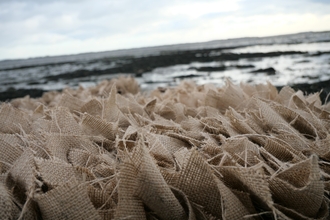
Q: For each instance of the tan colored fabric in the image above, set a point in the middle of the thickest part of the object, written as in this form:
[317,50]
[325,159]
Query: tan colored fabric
[68,201]
[187,152]
[93,107]
[300,187]
[8,209]
[232,207]
[22,176]
[101,199]
[96,126]
[9,154]
[13,120]
[81,157]
[197,171]
[72,103]
[12,139]
[152,188]
[251,180]
[64,123]
[158,150]
[129,204]
[184,201]
[111,112]
[54,172]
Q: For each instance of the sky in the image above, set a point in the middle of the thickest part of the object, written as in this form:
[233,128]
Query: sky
[34,28]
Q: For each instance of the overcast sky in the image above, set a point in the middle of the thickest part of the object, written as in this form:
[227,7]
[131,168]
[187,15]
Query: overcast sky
[31,28]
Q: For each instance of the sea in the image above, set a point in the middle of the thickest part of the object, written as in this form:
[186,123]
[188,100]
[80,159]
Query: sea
[281,60]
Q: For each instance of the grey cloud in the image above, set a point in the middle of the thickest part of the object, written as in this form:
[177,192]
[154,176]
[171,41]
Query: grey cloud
[283,6]
[88,19]
[321,1]
[26,22]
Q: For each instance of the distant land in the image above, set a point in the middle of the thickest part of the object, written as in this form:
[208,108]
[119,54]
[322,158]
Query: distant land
[300,60]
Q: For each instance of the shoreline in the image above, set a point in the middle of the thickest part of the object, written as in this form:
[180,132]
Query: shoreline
[141,67]
[307,89]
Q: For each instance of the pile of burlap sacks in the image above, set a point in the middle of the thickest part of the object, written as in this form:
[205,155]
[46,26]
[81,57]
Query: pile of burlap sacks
[189,152]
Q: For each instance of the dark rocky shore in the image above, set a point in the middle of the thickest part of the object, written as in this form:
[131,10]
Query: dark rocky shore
[323,86]
[136,66]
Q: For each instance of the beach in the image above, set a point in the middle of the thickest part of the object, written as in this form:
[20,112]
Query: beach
[301,61]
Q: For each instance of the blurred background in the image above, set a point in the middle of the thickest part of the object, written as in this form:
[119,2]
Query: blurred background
[48,45]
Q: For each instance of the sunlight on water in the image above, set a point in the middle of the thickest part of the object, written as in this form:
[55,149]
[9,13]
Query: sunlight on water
[302,59]
[310,47]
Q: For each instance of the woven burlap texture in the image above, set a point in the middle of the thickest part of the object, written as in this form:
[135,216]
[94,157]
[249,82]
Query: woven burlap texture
[189,152]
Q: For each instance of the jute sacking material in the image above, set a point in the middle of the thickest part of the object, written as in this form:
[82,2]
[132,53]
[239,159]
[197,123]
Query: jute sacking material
[189,152]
